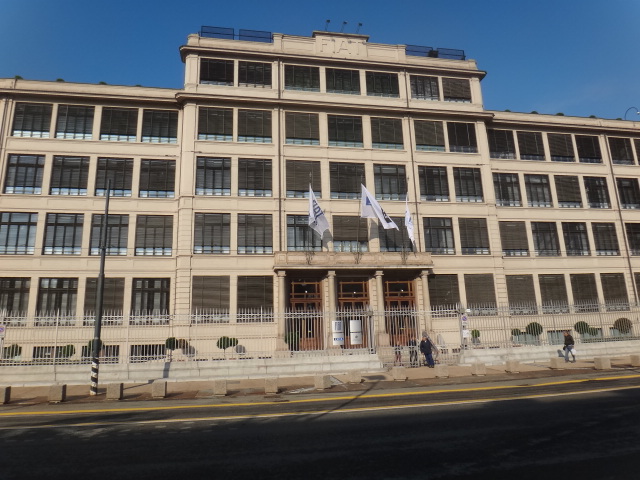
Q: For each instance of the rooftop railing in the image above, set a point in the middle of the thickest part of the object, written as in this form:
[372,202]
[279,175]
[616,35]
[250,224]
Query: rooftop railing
[230,34]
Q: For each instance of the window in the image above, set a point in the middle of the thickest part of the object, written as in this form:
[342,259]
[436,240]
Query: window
[14,296]
[112,298]
[24,174]
[462,137]
[521,294]
[585,292]
[117,234]
[350,234]
[429,136]
[213,176]
[481,294]
[605,238]
[157,178]
[538,192]
[159,126]
[629,193]
[215,124]
[302,128]
[254,74]
[424,88]
[633,237]
[392,240]
[513,236]
[300,237]
[597,192]
[154,234]
[298,77]
[621,153]
[380,84]
[614,291]
[299,175]
[216,72]
[57,296]
[507,189]
[387,133]
[588,149]
[150,296]
[346,180]
[468,185]
[345,131]
[390,182]
[553,292]
[530,144]
[438,235]
[568,191]
[69,175]
[545,239]
[254,178]
[456,90]
[254,126]
[75,121]
[17,233]
[575,238]
[255,294]
[444,292]
[561,147]
[119,124]
[32,120]
[501,143]
[474,237]
[210,294]
[434,184]
[212,233]
[63,234]
[343,81]
[255,234]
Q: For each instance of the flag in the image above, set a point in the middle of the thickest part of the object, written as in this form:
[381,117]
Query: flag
[317,220]
[408,221]
[370,208]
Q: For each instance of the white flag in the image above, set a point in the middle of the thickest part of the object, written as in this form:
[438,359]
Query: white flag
[408,222]
[317,220]
[370,208]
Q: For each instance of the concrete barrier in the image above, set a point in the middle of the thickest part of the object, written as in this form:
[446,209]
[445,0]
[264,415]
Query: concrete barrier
[354,376]
[115,391]
[57,393]
[5,395]
[220,388]
[442,371]
[271,386]
[557,363]
[159,389]
[602,363]
[322,382]
[512,366]
[399,373]
[478,369]
[635,360]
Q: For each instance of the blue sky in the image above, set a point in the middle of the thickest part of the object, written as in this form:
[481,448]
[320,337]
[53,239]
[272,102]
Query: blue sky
[579,57]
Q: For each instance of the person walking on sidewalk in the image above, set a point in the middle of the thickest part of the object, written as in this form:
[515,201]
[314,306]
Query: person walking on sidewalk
[426,347]
[568,347]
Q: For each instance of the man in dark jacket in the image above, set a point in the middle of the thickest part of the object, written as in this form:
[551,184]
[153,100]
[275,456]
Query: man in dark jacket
[426,347]
[568,347]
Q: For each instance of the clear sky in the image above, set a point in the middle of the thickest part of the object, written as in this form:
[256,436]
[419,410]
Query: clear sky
[578,57]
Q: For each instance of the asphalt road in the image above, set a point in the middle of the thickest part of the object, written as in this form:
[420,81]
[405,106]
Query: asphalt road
[587,430]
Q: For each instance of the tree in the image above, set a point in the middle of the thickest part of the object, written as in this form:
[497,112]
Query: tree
[226,342]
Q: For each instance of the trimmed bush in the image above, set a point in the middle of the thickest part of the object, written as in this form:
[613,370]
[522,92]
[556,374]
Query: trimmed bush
[534,329]
[67,351]
[12,351]
[226,342]
[516,332]
[171,343]
[582,327]
[623,325]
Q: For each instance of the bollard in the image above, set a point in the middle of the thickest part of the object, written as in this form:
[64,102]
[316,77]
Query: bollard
[478,369]
[322,382]
[57,393]
[114,391]
[354,376]
[159,389]
[442,371]
[557,363]
[271,386]
[602,363]
[220,388]
[399,373]
[512,366]
[635,360]
[5,395]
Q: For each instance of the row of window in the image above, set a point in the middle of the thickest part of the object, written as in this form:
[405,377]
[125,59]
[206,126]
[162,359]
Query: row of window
[337,80]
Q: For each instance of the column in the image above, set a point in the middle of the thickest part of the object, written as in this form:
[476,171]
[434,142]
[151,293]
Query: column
[282,349]
[426,303]
[380,324]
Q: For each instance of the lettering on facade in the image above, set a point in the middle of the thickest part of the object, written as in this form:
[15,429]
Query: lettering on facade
[343,47]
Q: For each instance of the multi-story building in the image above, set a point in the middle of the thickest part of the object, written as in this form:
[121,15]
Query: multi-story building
[209,199]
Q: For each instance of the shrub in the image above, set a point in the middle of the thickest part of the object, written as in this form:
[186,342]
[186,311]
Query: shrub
[67,351]
[226,342]
[516,332]
[475,333]
[534,329]
[623,325]
[13,351]
[171,343]
[581,327]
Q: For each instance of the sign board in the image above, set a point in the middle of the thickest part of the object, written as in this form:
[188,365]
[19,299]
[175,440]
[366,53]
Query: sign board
[3,329]
[338,332]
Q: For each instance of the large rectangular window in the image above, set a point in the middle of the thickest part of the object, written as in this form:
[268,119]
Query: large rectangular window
[69,175]
[300,174]
[381,84]
[538,191]
[299,77]
[300,237]
[344,131]
[568,191]
[553,293]
[302,128]
[392,240]
[216,72]
[350,234]
[474,236]
[254,178]
[215,124]
[456,90]
[255,234]
[561,147]
[576,241]
[32,120]
[530,145]
[387,133]
[545,239]
[254,74]
[119,171]
[17,233]
[150,296]
[254,126]
[468,184]
[481,293]
[346,180]
[629,193]
[614,291]
[343,81]
[434,184]
[14,296]
[212,233]
[429,136]
[513,236]
[213,176]
[154,235]
[210,294]
[605,238]
[112,298]
[462,137]
[424,88]
[597,192]
[75,121]
[521,294]
[444,292]
[117,234]
[57,296]
[157,178]
[501,143]
[159,126]
[63,234]
[585,292]
[507,190]
[255,293]
[24,174]
[621,153]
[390,182]
[119,124]
[588,149]
[438,235]
[633,237]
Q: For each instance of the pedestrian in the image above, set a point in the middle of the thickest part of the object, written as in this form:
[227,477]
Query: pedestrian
[426,347]
[398,350]
[413,351]
[568,347]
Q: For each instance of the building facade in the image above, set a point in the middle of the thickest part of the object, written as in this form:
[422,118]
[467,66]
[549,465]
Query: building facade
[208,200]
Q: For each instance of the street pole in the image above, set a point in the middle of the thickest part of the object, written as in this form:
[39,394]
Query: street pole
[96,344]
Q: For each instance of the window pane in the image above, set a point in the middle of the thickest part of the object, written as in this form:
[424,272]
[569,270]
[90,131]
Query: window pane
[434,184]
[32,120]
[216,72]
[154,235]
[345,131]
[74,121]
[157,178]
[302,128]
[69,175]
[343,81]
[24,174]
[160,126]
[212,233]
[213,176]
[17,233]
[119,124]
[215,124]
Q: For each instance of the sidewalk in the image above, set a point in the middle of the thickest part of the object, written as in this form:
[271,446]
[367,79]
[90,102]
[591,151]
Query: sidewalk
[254,389]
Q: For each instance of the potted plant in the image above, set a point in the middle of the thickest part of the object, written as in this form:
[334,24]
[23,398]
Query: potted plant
[475,337]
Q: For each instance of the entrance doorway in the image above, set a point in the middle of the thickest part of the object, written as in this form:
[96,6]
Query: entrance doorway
[353,310]
[305,323]
[400,315]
